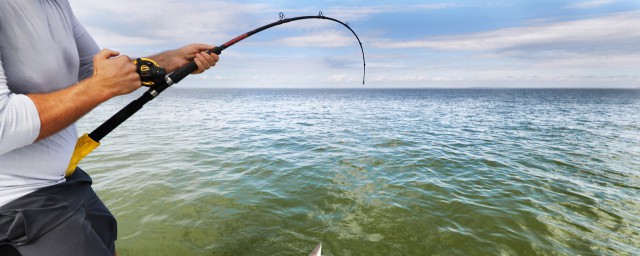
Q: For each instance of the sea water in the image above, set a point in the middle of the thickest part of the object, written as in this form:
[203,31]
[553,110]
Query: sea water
[373,172]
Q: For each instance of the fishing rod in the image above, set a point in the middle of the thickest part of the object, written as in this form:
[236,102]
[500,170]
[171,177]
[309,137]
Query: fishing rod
[155,77]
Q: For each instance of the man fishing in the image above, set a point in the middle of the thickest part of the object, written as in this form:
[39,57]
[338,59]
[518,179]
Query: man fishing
[51,74]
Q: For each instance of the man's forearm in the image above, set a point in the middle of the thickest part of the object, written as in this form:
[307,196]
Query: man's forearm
[174,59]
[61,108]
[112,76]
[167,60]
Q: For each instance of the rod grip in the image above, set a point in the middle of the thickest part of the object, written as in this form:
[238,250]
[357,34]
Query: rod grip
[120,117]
[185,70]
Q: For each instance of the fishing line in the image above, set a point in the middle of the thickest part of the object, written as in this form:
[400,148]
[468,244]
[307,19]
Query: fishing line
[154,76]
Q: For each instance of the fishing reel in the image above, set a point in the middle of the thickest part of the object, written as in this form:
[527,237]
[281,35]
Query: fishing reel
[150,72]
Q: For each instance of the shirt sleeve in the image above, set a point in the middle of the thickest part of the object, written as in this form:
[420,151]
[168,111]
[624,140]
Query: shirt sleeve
[19,118]
[87,48]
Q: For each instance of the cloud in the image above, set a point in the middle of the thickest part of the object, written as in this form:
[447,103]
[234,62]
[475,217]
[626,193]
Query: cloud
[597,32]
[362,12]
[365,11]
[589,4]
[596,41]
[594,52]
[327,38]
[165,22]
[544,51]
[173,23]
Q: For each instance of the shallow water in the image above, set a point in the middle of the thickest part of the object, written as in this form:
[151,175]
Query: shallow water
[374,172]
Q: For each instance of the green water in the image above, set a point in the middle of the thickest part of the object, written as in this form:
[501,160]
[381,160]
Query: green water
[374,172]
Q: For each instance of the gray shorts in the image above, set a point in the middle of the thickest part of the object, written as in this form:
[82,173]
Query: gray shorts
[65,219]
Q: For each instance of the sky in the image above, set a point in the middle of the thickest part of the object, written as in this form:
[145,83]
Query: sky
[407,44]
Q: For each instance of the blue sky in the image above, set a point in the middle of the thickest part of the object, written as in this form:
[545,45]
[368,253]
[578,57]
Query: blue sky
[408,44]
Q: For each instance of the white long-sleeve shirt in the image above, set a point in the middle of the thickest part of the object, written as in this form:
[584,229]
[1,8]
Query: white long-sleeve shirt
[43,48]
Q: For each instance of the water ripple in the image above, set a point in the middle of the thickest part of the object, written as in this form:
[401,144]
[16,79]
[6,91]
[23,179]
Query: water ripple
[374,172]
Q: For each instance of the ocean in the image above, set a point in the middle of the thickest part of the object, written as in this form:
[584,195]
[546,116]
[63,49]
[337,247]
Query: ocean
[373,172]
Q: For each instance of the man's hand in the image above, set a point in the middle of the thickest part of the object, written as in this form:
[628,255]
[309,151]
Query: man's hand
[114,74]
[172,60]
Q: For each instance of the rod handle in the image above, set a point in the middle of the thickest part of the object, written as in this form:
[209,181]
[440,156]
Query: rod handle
[185,70]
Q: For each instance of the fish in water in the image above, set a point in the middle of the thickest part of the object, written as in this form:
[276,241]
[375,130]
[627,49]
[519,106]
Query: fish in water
[317,250]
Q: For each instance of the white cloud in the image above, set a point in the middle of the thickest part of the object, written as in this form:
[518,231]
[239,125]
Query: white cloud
[595,52]
[164,22]
[609,41]
[598,32]
[328,38]
[362,12]
[541,53]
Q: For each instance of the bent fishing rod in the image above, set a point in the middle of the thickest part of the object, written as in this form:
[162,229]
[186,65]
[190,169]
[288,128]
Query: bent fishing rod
[155,77]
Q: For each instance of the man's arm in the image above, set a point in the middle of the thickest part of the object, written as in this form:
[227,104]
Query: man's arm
[172,60]
[113,75]
[19,122]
